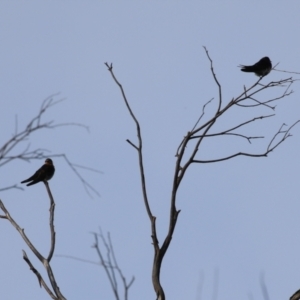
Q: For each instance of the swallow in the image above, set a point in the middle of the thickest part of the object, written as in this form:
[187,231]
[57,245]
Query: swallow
[295,296]
[44,173]
[261,68]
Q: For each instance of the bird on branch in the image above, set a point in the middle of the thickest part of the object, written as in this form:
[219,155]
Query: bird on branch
[44,173]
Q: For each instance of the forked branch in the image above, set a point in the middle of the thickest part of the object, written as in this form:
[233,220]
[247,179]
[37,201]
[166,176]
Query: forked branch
[248,98]
[139,148]
[111,266]
[55,294]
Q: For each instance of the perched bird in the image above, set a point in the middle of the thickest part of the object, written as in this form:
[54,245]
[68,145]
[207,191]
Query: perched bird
[261,68]
[44,173]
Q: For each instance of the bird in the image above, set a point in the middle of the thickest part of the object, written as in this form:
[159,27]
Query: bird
[262,68]
[295,296]
[44,173]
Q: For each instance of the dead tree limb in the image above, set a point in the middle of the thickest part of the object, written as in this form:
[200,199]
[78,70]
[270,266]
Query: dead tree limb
[248,98]
[55,294]
[20,138]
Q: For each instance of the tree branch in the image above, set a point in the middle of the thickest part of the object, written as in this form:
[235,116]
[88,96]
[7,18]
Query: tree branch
[111,265]
[198,133]
[140,152]
[7,151]
[43,260]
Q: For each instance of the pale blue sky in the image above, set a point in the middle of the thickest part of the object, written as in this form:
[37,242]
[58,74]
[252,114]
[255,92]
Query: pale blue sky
[239,216]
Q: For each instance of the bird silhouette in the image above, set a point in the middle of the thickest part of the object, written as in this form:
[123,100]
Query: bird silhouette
[261,68]
[295,296]
[44,173]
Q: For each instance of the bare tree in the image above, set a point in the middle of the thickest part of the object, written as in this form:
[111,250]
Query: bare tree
[20,138]
[55,292]
[249,97]
[8,153]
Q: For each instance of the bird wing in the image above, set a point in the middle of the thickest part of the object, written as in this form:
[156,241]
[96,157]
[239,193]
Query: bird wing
[39,175]
[31,178]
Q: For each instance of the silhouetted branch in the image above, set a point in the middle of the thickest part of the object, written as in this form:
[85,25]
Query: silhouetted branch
[290,72]
[21,137]
[51,222]
[111,265]
[248,98]
[139,147]
[56,294]
[263,287]
[140,143]
[38,275]
[215,79]
[227,131]
[73,166]
[15,186]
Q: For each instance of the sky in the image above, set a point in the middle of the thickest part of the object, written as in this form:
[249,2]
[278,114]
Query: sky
[239,218]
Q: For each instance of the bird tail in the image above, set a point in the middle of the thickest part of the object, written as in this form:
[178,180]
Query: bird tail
[247,68]
[31,183]
[26,180]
